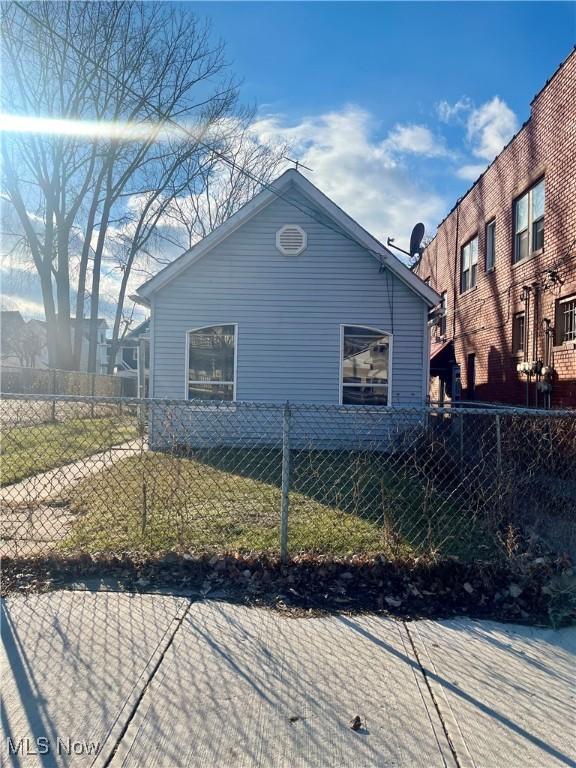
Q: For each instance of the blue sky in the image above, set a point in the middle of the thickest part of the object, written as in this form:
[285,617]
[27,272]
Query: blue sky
[379,69]
[400,56]
[397,107]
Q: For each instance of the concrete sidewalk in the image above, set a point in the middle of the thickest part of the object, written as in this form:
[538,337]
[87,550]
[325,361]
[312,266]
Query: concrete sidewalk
[35,512]
[112,679]
[54,483]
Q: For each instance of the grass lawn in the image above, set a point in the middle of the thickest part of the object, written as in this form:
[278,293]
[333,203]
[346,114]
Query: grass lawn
[230,500]
[29,450]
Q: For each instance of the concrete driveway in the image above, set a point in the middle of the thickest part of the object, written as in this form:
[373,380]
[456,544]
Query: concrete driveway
[113,679]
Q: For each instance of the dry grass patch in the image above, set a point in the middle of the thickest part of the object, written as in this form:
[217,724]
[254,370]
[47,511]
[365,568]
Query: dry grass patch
[158,502]
[29,450]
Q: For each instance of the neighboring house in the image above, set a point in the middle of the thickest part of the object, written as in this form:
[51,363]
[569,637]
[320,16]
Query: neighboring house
[290,300]
[504,262]
[22,343]
[127,358]
[102,344]
[11,327]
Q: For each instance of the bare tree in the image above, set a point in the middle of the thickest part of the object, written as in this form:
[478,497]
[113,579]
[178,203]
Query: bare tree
[186,203]
[224,188]
[20,339]
[106,173]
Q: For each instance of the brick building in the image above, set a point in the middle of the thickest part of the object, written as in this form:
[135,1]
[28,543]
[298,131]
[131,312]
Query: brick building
[504,260]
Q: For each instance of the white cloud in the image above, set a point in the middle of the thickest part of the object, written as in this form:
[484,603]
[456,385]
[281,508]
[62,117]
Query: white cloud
[362,174]
[490,127]
[415,139]
[27,307]
[448,113]
[471,172]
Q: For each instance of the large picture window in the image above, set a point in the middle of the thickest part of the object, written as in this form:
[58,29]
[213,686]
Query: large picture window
[365,366]
[211,362]
[529,222]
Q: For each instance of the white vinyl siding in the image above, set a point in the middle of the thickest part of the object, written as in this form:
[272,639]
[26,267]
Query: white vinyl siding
[289,312]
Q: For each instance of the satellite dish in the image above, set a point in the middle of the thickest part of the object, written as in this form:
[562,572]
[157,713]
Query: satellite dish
[416,239]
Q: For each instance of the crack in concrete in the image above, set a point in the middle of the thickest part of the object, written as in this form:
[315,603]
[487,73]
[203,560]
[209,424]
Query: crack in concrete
[178,621]
[433,697]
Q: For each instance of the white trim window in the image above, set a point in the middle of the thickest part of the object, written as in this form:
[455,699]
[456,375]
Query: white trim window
[490,245]
[211,362]
[566,320]
[469,265]
[365,366]
[529,222]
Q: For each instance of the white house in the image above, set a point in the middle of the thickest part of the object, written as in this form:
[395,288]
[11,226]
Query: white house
[24,343]
[128,359]
[289,300]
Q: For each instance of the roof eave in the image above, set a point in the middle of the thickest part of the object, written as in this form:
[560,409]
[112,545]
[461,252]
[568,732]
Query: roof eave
[349,226]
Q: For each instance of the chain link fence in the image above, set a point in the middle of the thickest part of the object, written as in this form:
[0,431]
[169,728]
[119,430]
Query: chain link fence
[110,475]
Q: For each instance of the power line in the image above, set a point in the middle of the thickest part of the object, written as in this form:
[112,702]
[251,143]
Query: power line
[169,120]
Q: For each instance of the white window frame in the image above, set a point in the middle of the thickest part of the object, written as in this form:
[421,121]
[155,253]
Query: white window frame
[559,311]
[520,338]
[211,403]
[490,225]
[530,222]
[468,245]
[341,367]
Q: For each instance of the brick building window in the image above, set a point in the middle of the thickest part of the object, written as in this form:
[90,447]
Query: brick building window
[518,330]
[490,245]
[468,265]
[566,320]
[442,322]
[529,222]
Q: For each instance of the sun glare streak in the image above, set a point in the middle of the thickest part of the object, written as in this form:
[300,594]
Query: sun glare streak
[95,129]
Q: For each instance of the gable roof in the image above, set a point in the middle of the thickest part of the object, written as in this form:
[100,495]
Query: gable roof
[336,218]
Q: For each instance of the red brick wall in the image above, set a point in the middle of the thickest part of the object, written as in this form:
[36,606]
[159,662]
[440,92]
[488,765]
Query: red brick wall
[480,320]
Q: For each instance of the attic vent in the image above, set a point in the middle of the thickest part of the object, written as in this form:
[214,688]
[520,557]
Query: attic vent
[291,240]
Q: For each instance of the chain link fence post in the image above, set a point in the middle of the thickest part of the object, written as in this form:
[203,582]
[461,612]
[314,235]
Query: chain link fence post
[285,483]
